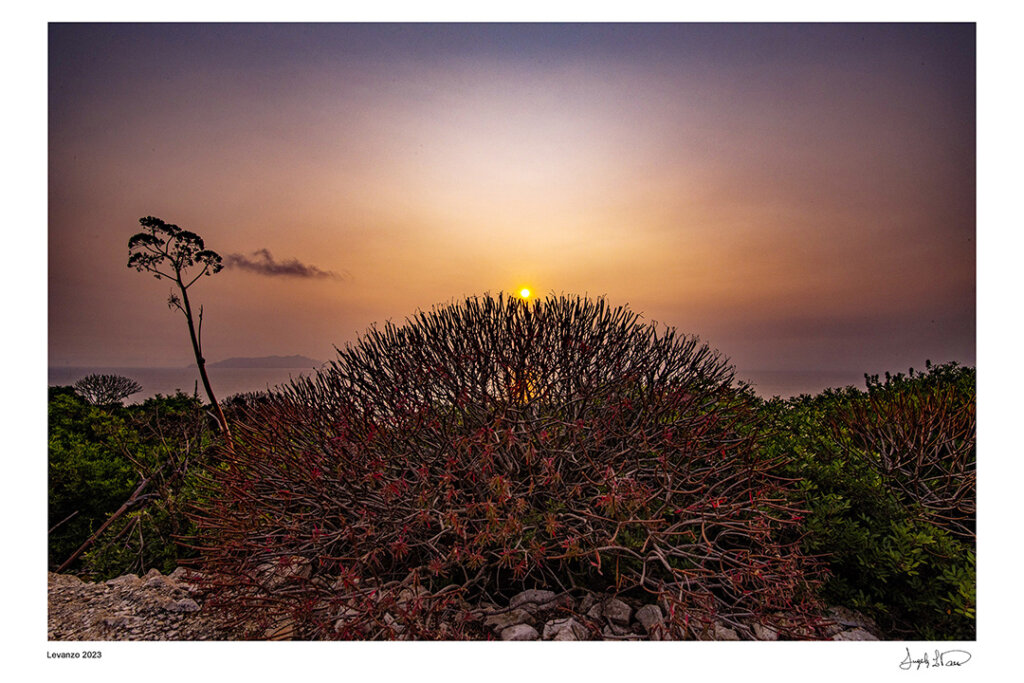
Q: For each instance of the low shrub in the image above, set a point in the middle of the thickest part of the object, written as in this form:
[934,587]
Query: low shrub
[889,477]
[492,446]
[98,457]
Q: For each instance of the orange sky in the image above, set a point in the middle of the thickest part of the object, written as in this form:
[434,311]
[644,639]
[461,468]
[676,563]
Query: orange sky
[800,196]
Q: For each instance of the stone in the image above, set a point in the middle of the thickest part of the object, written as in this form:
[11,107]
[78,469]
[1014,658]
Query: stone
[533,597]
[65,580]
[723,632]
[588,601]
[844,619]
[564,629]
[120,621]
[854,634]
[616,632]
[649,615]
[503,620]
[617,612]
[183,605]
[520,632]
[284,630]
[125,581]
[596,611]
[763,632]
[158,581]
[652,620]
[276,574]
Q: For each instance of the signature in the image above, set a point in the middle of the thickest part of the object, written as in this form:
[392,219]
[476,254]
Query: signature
[947,658]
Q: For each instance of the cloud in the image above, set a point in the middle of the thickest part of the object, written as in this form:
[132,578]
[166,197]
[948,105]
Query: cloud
[262,262]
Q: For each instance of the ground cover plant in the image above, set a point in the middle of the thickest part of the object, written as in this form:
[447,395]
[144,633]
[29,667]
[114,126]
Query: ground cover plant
[889,477]
[496,445]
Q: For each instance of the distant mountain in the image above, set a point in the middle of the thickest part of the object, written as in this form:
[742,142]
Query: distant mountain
[268,362]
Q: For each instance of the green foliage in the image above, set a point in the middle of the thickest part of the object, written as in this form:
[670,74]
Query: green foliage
[98,456]
[890,555]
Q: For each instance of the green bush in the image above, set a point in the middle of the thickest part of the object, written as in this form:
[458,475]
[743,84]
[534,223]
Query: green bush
[888,477]
[98,456]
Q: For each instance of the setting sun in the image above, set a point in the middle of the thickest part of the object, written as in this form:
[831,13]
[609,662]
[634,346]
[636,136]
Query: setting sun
[525,293]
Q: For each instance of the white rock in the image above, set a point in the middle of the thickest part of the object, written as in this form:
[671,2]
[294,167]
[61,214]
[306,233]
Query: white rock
[649,615]
[532,597]
[723,632]
[564,629]
[520,632]
[617,612]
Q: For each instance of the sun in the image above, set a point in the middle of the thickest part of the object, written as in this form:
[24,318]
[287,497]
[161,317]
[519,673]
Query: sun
[525,293]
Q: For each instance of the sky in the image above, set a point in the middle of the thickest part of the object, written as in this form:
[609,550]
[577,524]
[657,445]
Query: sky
[801,196]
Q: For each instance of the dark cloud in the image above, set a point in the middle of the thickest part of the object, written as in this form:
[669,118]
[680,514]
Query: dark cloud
[262,262]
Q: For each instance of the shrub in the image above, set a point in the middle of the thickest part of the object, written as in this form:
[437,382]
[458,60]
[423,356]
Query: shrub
[492,446]
[889,477]
[98,456]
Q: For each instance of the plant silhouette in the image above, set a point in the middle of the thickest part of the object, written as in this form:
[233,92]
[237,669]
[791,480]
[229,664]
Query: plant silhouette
[168,252]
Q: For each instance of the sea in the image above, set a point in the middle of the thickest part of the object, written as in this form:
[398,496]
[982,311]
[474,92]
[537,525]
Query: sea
[226,382]
[230,381]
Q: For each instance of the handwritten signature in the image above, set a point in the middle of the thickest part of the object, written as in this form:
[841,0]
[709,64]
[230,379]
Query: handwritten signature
[947,658]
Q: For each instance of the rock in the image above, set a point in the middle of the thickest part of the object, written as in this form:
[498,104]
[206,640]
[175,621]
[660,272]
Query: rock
[183,605]
[564,629]
[652,620]
[617,612]
[125,581]
[534,597]
[284,630]
[276,574]
[520,632]
[854,634]
[763,632]
[596,611]
[844,619]
[589,600]
[65,580]
[615,632]
[120,621]
[158,580]
[129,608]
[503,620]
[723,632]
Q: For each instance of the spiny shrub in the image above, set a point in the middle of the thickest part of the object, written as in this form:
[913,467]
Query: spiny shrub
[492,446]
[917,433]
[889,477]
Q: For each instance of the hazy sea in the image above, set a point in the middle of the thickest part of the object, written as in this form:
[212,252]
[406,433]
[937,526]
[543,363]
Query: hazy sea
[226,381]
[229,381]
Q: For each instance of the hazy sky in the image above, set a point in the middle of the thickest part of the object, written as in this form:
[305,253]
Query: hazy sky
[801,196]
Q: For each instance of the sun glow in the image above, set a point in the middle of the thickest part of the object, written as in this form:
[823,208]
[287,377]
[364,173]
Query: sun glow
[525,293]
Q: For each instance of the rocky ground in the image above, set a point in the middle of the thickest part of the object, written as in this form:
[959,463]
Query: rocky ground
[170,607]
[153,607]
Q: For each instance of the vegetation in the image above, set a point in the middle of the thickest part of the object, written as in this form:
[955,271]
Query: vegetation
[106,389]
[99,456]
[493,446]
[168,252]
[889,478]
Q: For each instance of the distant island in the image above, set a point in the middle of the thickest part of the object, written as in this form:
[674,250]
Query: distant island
[267,362]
